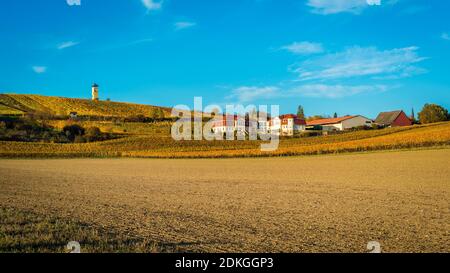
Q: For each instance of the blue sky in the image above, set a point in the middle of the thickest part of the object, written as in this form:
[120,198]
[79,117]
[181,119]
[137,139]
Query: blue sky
[341,56]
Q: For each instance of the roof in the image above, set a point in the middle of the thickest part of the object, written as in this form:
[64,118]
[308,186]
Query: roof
[297,121]
[326,121]
[95,85]
[387,118]
[288,116]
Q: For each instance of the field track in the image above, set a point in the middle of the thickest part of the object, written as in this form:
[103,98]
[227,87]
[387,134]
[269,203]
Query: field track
[295,204]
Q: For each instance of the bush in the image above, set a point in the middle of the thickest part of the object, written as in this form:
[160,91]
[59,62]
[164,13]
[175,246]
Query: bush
[93,134]
[72,131]
[79,139]
[310,134]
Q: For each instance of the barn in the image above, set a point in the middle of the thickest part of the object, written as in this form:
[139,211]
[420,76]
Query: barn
[341,124]
[393,119]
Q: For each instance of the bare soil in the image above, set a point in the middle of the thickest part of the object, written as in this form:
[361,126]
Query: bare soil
[295,204]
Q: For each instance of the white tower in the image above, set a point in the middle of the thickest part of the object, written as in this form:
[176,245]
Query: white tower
[95,92]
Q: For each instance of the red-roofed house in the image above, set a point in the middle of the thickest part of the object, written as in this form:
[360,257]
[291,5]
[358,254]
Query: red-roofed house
[225,124]
[341,124]
[291,124]
[393,119]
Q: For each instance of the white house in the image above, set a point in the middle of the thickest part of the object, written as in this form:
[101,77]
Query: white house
[225,124]
[291,124]
[342,123]
[286,125]
[264,126]
[275,126]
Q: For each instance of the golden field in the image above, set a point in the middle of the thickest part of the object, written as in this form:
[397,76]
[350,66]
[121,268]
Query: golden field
[14,104]
[295,204]
[154,141]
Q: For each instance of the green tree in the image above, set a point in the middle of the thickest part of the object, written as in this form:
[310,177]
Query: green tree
[300,112]
[433,113]
[413,116]
[335,115]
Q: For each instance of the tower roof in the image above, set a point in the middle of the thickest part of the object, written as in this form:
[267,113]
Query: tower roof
[95,85]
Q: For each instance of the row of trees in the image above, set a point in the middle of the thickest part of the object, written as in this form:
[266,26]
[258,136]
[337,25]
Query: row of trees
[431,113]
[29,130]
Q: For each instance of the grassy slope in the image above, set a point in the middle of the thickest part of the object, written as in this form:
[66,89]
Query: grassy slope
[160,145]
[63,106]
[5,110]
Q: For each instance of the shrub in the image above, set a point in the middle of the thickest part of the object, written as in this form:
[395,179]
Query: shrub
[93,134]
[310,134]
[79,139]
[72,131]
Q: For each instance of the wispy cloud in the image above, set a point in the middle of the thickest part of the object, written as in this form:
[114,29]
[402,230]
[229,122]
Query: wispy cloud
[122,45]
[184,25]
[73,2]
[39,69]
[304,48]
[335,91]
[67,44]
[248,94]
[445,36]
[137,42]
[152,4]
[361,62]
[326,7]
[251,93]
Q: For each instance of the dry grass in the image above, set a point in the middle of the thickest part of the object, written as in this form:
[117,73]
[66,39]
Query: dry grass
[296,204]
[26,231]
[63,106]
[155,142]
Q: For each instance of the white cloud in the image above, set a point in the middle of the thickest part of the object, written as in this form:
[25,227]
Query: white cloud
[304,48]
[334,91]
[39,69]
[445,36]
[361,62]
[326,7]
[152,4]
[73,2]
[184,25]
[67,44]
[337,6]
[251,93]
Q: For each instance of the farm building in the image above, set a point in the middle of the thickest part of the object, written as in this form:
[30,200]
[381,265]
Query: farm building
[275,126]
[341,124]
[393,119]
[286,125]
[264,126]
[225,124]
[73,115]
[291,124]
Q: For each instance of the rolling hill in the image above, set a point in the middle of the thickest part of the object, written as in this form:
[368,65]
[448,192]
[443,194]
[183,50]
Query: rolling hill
[11,104]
